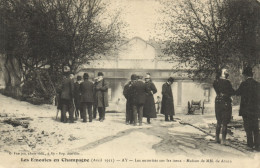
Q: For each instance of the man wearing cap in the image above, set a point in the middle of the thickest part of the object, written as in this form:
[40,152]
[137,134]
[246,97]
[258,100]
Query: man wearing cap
[101,96]
[77,98]
[167,100]
[249,107]
[87,97]
[67,94]
[128,93]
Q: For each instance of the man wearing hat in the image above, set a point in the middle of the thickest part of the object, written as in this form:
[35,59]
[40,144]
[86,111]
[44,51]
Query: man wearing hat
[77,98]
[101,96]
[67,95]
[249,107]
[149,106]
[87,97]
[128,93]
[167,100]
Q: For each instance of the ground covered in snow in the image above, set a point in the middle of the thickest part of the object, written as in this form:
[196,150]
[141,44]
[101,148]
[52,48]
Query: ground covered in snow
[32,137]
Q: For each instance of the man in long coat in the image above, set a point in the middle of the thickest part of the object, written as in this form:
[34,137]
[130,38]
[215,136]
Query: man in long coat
[87,97]
[128,93]
[77,98]
[139,95]
[101,90]
[67,94]
[249,107]
[149,106]
[167,100]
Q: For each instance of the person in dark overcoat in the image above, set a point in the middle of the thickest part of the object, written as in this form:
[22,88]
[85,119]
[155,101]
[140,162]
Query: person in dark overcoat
[139,94]
[128,93]
[249,91]
[167,100]
[95,102]
[149,106]
[101,90]
[223,107]
[67,95]
[87,97]
[77,98]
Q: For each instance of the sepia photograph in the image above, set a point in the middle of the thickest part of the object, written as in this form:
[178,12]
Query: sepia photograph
[129,83]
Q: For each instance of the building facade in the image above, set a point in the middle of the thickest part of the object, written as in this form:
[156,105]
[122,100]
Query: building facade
[139,57]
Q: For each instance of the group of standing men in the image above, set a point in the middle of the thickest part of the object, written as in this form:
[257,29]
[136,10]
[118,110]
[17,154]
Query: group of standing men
[249,90]
[140,101]
[82,96]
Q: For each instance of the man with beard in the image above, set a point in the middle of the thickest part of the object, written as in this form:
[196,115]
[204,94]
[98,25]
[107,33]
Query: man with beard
[249,91]
[128,93]
[101,91]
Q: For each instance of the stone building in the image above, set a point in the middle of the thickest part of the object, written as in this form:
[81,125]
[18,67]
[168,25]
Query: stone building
[139,57]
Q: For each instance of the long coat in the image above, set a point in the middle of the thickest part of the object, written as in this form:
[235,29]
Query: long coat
[249,91]
[149,106]
[128,93]
[87,91]
[67,89]
[167,100]
[139,93]
[77,94]
[223,107]
[101,94]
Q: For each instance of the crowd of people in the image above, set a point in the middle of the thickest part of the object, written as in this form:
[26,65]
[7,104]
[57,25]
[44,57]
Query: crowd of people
[81,97]
[249,91]
[140,101]
[87,97]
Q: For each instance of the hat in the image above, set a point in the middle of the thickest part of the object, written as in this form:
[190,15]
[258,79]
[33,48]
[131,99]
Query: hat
[147,76]
[248,71]
[85,76]
[79,78]
[170,79]
[133,77]
[100,74]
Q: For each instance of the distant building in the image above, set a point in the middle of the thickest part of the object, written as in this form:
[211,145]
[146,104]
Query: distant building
[137,56]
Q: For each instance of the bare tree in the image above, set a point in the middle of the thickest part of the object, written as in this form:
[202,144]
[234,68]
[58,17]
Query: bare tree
[201,35]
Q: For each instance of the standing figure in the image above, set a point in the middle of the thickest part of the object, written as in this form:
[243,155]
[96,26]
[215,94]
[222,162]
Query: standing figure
[87,97]
[77,98]
[67,94]
[139,95]
[167,100]
[95,102]
[128,93]
[149,106]
[223,107]
[158,103]
[101,91]
[249,91]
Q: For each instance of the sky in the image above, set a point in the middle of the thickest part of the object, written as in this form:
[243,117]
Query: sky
[140,16]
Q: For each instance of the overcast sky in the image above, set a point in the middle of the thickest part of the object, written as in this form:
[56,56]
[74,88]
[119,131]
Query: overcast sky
[140,15]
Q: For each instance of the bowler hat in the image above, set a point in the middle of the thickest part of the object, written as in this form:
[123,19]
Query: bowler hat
[85,76]
[170,79]
[79,78]
[100,74]
[133,77]
[248,71]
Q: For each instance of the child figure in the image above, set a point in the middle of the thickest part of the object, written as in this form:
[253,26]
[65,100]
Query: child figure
[158,104]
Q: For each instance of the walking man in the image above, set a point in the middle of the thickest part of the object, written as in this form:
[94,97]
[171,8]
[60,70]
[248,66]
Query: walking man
[249,91]
[87,97]
[101,91]
[67,94]
[167,100]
